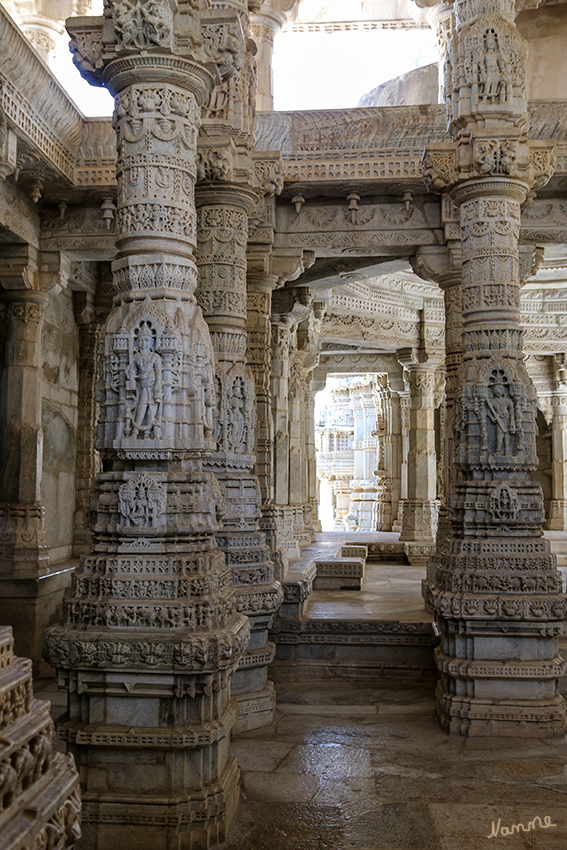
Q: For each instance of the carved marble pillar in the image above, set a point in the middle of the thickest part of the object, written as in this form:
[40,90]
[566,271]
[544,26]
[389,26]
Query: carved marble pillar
[281,344]
[301,429]
[266,23]
[401,407]
[311,460]
[443,265]
[258,354]
[89,324]
[30,592]
[497,597]
[259,343]
[557,520]
[222,229]
[419,524]
[387,434]
[24,550]
[151,635]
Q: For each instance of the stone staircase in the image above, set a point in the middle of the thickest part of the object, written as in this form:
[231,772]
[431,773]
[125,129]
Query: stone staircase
[315,648]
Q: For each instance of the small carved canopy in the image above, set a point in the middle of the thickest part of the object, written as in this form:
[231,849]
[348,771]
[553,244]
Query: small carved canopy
[148,320]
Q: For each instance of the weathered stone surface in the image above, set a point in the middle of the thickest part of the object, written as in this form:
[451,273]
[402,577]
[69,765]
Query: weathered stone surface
[39,788]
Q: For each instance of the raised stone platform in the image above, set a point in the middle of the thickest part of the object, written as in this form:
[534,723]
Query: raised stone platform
[354,650]
[339,574]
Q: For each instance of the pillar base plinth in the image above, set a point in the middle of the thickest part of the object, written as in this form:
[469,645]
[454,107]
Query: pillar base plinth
[195,821]
[256,710]
[418,554]
[30,604]
[478,718]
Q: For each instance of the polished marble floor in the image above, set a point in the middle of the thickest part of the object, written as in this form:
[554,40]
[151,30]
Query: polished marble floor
[354,766]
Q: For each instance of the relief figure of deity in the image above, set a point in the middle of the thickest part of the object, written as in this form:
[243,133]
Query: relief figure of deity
[236,431]
[500,411]
[144,379]
[491,76]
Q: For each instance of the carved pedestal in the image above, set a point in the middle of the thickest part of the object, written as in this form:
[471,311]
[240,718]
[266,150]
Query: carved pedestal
[40,804]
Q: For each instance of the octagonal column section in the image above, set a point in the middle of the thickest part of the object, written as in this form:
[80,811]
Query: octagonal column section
[419,523]
[151,635]
[557,520]
[222,239]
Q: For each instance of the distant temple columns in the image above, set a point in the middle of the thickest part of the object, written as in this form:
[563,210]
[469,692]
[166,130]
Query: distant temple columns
[419,524]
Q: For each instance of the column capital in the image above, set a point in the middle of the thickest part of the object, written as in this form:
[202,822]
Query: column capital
[25,270]
[440,264]
[409,358]
[201,47]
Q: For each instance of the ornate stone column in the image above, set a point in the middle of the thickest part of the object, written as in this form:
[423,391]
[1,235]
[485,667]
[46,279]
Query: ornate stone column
[419,524]
[400,407]
[498,596]
[258,355]
[89,324]
[557,520]
[259,343]
[443,265]
[24,550]
[281,343]
[268,19]
[289,307]
[30,593]
[311,458]
[151,636]
[222,230]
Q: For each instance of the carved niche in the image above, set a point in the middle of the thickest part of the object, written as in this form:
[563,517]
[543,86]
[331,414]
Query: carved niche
[142,503]
[156,389]
[235,411]
[495,416]
[494,64]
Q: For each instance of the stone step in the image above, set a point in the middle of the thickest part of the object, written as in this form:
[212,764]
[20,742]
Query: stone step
[387,552]
[354,551]
[318,650]
[339,574]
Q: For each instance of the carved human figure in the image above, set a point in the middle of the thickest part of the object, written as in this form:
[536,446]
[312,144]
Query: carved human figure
[140,24]
[492,68]
[500,410]
[144,375]
[206,391]
[236,430]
